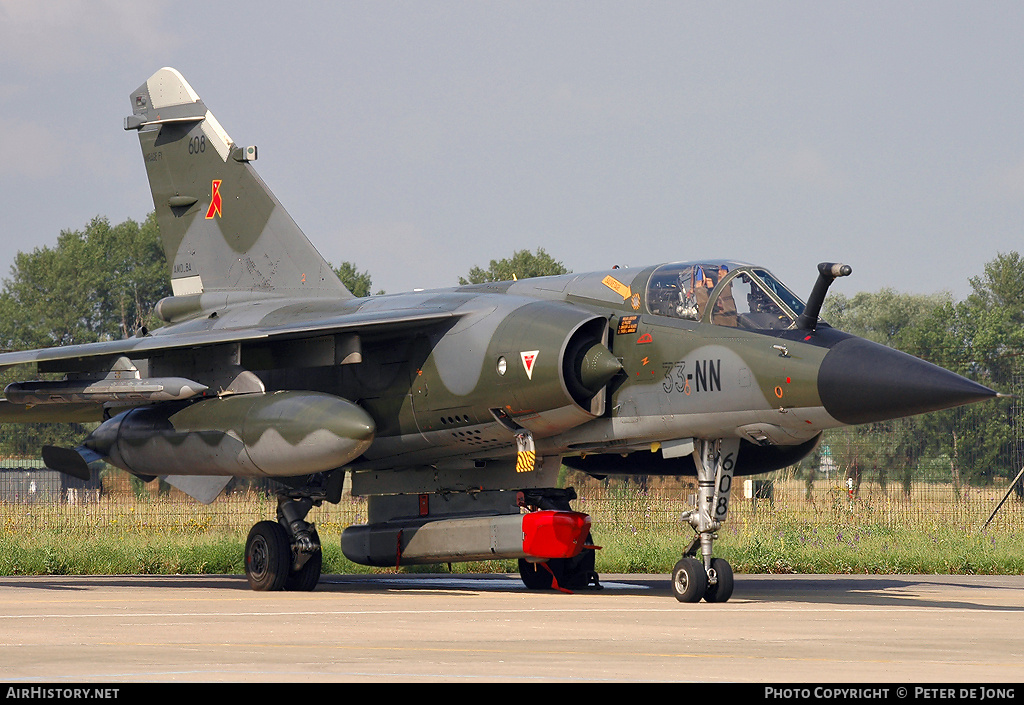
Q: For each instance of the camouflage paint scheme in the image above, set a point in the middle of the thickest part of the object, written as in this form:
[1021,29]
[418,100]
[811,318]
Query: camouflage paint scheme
[273,369]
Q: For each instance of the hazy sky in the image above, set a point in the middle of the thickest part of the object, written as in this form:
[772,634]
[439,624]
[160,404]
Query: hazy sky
[419,139]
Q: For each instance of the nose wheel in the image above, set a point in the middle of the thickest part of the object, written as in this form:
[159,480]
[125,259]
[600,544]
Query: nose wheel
[710,579]
[689,580]
[692,582]
[720,581]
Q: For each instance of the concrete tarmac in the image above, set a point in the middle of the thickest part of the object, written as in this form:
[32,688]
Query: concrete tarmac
[483,628]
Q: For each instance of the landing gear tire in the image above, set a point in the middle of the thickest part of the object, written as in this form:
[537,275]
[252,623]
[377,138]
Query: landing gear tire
[535,576]
[306,578]
[268,556]
[722,590]
[689,580]
[576,573]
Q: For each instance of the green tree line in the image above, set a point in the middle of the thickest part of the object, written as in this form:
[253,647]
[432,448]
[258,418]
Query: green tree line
[102,282]
[982,338]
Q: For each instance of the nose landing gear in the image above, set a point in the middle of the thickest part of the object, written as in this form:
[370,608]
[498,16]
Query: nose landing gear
[708,578]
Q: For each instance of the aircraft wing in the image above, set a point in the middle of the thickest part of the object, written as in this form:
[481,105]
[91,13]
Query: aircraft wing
[364,323]
[82,401]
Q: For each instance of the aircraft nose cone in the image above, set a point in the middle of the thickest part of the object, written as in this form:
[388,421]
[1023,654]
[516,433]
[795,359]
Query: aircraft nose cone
[860,382]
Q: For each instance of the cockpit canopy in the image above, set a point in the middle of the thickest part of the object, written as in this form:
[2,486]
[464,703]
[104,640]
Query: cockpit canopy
[723,292]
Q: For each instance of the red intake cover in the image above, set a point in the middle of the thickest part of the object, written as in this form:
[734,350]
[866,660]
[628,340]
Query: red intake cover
[555,534]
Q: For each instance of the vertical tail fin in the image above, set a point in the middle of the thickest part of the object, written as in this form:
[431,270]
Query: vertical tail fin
[222,228]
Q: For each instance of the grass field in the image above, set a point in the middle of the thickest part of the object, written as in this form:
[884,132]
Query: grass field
[934,529]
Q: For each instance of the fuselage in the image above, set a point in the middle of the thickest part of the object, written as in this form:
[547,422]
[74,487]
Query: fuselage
[700,351]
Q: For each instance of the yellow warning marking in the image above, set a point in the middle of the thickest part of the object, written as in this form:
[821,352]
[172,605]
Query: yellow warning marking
[617,286]
[525,461]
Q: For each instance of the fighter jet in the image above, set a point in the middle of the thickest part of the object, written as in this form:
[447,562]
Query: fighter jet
[450,410]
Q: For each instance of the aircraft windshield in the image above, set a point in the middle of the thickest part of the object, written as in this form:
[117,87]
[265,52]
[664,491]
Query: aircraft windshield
[792,302]
[724,293]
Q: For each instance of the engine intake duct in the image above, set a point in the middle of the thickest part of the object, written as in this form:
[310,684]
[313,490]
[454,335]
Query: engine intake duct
[588,364]
[565,363]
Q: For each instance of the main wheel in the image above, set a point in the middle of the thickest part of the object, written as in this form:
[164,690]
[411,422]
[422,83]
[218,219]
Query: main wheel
[535,575]
[722,590]
[268,556]
[578,572]
[306,578]
[689,580]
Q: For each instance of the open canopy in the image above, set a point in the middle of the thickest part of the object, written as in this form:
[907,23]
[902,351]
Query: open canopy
[723,292]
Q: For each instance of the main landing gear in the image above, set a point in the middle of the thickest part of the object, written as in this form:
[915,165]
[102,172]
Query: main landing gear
[284,554]
[576,573]
[704,577]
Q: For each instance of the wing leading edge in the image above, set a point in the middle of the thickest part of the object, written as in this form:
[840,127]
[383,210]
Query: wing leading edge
[376,323]
[115,362]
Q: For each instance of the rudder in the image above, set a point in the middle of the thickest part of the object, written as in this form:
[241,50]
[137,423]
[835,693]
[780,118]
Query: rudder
[222,228]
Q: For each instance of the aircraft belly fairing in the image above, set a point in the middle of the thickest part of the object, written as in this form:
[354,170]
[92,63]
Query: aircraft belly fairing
[452,410]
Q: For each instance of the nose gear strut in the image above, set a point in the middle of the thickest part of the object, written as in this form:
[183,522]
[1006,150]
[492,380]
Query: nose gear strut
[707,577]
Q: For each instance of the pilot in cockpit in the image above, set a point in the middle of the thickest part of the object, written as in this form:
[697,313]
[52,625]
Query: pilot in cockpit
[725,304]
[702,290]
[694,293]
